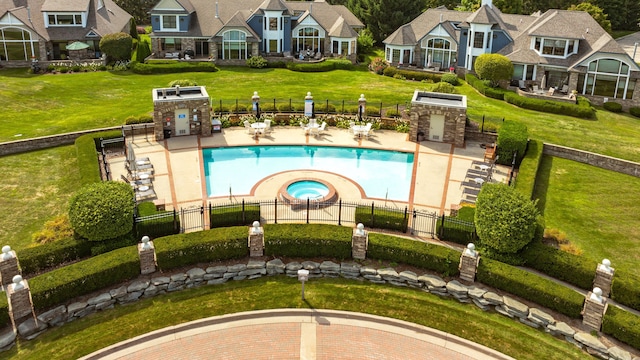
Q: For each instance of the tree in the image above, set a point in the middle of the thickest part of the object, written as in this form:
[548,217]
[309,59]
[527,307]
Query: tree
[596,13]
[383,17]
[365,41]
[117,46]
[102,210]
[623,14]
[494,67]
[505,219]
[133,29]
[468,5]
[449,4]
[509,6]
[138,9]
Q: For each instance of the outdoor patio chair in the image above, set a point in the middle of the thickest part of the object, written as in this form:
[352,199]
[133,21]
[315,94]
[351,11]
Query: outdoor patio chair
[248,127]
[471,184]
[320,129]
[145,195]
[551,91]
[267,126]
[536,89]
[367,130]
[564,89]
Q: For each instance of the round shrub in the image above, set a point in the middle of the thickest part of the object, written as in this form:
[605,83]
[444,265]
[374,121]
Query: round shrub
[372,111]
[102,210]
[635,111]
[117,46]
[450,78]
[183,82]
[256,62]
[378,65]
[613,106]
[444,87]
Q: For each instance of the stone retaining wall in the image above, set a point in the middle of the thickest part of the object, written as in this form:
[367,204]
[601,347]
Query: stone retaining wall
[483,298]
[18,146]
[586,157]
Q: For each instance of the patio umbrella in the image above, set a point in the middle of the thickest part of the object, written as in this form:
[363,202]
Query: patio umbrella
[543,83]
[77,45]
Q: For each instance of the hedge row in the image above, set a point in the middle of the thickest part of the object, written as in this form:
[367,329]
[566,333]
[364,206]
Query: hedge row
[201,247]
[626,290]
[61,285]
[86,150]
[410,252]
[382,219]
[323,66]
[576,270]
[622,325]
[454,231]
[40,258]
[512,139]
[412,74]
[307,240]
[176,67]
[582,110]
[531,287]
[526,180]
[4,312]
[484,88]
[235,215]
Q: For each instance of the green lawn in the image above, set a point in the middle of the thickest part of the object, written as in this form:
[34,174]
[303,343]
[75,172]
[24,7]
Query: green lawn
[597,209]
[104,328]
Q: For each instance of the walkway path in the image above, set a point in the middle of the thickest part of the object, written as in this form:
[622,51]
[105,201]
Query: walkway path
[297,334]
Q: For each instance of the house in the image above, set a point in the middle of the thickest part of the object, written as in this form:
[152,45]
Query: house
[230,31]
[561,49]
[42,29]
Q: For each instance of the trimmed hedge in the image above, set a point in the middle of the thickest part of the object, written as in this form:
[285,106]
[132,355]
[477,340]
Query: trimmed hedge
[484,89]
[512,138]
[5,320]
[201,247]
[307,240]
[411,252]
[40,258]
[87,152]
[526,180]
[613,106]
[635,111]
[396,220]
[626,290]
[323,66]
[622,325]
[529,286]
[582,110]
[61,285]
[233,216]
[412,74]
[174,67]
[575,270]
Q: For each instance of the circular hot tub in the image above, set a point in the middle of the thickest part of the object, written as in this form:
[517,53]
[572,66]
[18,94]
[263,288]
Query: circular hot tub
[298,192]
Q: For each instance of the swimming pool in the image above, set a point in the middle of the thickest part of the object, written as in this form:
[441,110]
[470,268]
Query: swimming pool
[381,173]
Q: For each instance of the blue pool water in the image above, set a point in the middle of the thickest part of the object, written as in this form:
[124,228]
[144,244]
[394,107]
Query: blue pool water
[381,173]
[307,189]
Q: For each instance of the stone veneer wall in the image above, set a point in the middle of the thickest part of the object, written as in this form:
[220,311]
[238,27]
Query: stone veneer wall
[454,122]
[586,157]
[145,287]
[164,111]
[43,142]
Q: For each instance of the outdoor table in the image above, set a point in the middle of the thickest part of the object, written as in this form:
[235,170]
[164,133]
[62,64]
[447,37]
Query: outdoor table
[258,127]
[359,130]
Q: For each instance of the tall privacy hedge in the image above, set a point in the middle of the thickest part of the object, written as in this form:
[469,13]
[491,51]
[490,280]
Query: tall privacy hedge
[512,138]
[526,180]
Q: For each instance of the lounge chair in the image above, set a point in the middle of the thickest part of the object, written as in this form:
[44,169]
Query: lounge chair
[471,184]
[145,195]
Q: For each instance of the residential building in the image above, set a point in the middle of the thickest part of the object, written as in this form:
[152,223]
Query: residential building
[231,31]
[42,29]
[562,49]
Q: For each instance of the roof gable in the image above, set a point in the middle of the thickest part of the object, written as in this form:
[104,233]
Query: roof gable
[342,29]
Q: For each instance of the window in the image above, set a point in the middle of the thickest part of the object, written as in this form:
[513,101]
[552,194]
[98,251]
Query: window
[273,45]
[555,47]
[17,44]
[171,44]
[273,23]
[478,40]
[64,19]
[169,22]
[438,52]
[608,78]
[234,45]
[308,38]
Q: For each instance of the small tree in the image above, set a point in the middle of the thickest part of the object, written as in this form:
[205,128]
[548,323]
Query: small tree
[494,67]
[117,46]
[102,210]
[505,219]
[365,41]
[133,29]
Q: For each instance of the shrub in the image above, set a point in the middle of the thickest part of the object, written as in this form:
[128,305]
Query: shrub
[302,240]
[450,78]
[529,286]
[61,285]
[613,106]
[365,41]
[626,290]
[323,66]
[575,270]
[378,65]
[484,89]
[326,108]
[622,325]
[281,107]
[582,109]
[86,151]
[444,87]
[512,138]
[102,211]
[371,111]
[183,82]
[238,108]
[456,230]
[277,64]
[635,111]
[117,46]
[526,179]
[158,67]
[143,50]
[412,74]
[382,219]
[411,252]
[163,223]
[5,320]
[393,113]
[40,258]
[505,220]
[201,247]
[236,215]
[256,62]
[494,68]
[56,229]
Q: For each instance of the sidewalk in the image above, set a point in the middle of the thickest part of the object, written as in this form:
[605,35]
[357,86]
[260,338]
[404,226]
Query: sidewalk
[297,334]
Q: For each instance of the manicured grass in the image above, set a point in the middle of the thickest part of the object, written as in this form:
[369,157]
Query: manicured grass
[35,187]
[101,329]
[597,209]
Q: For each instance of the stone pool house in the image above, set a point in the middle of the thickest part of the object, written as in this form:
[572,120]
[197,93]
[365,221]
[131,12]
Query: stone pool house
[181,111]
[561,49]
[438,117]
[42,29]
[230,31]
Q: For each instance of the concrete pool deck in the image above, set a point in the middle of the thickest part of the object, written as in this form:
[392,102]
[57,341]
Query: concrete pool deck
[439,168]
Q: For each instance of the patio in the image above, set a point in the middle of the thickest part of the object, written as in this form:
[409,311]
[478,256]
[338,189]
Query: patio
[438,172]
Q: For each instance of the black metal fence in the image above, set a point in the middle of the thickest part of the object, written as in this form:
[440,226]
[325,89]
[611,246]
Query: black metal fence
[416,222]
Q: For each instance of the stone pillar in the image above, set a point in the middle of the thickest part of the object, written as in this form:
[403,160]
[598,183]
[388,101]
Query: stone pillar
[362,107]
[20,303]
[469,263]
[595,306]
[8,265]
[309,106]
[147,254]
[604,277]
[255,103]
[359,242]
[256,240]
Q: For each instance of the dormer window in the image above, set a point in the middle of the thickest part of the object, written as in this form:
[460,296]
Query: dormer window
[555,47]
[64,19]
[169,22]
